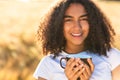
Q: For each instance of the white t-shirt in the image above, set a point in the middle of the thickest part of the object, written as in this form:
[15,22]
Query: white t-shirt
[50,68]
[113,58]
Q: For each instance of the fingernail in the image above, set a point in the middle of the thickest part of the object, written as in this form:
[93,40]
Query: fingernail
[83,69]
[81,65]
[77,59]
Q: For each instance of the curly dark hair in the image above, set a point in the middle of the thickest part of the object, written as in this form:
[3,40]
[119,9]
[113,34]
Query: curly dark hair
[50,32]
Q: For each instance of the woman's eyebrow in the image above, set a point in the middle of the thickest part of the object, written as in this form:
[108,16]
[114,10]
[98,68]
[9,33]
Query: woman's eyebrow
[68,16]
[84,15]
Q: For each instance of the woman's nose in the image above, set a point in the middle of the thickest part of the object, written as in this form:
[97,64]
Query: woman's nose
[77,25]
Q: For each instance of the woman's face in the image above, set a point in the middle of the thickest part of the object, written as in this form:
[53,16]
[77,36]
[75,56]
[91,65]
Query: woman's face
[76,26]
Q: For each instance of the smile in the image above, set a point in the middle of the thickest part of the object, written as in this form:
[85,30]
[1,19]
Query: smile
[76,34]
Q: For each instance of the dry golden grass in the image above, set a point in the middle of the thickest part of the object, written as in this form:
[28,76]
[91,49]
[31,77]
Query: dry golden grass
[19,54]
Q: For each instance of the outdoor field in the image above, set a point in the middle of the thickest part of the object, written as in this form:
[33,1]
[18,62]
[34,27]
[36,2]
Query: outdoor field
[19,21]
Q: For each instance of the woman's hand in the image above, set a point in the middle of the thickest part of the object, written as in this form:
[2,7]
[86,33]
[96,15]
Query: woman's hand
[75,68]
[88,70]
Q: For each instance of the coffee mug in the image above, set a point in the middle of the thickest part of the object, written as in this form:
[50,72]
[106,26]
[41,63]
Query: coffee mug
[82,57]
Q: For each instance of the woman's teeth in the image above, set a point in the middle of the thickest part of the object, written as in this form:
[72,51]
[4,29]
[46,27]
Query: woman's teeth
[74,34]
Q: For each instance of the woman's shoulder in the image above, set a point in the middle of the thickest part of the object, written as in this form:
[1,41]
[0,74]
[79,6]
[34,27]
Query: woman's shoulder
[113,52]
[113,57]
[47,58]
[44,67]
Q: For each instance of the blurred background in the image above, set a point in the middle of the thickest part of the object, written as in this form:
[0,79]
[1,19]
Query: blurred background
[19,21]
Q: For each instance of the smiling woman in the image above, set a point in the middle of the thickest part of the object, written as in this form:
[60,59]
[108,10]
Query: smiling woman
[74,27]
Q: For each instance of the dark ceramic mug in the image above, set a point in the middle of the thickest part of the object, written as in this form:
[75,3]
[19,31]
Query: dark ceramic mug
[67,58]
[82,56]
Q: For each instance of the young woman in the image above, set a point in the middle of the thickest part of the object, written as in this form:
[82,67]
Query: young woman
[76,27]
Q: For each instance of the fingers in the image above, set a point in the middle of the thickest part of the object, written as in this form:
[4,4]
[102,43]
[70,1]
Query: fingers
[88,70]
[73,68]
[76,68]
[72,63]
[91,64]
[87,73]
[80,72]
[69,67]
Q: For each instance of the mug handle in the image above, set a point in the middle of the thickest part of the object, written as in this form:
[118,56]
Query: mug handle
[63,58]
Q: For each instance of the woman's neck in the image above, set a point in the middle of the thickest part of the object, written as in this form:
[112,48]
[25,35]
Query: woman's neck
[74,49]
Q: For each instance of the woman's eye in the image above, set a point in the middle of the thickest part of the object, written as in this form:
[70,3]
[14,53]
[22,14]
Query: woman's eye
[84,19]
[67,20]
